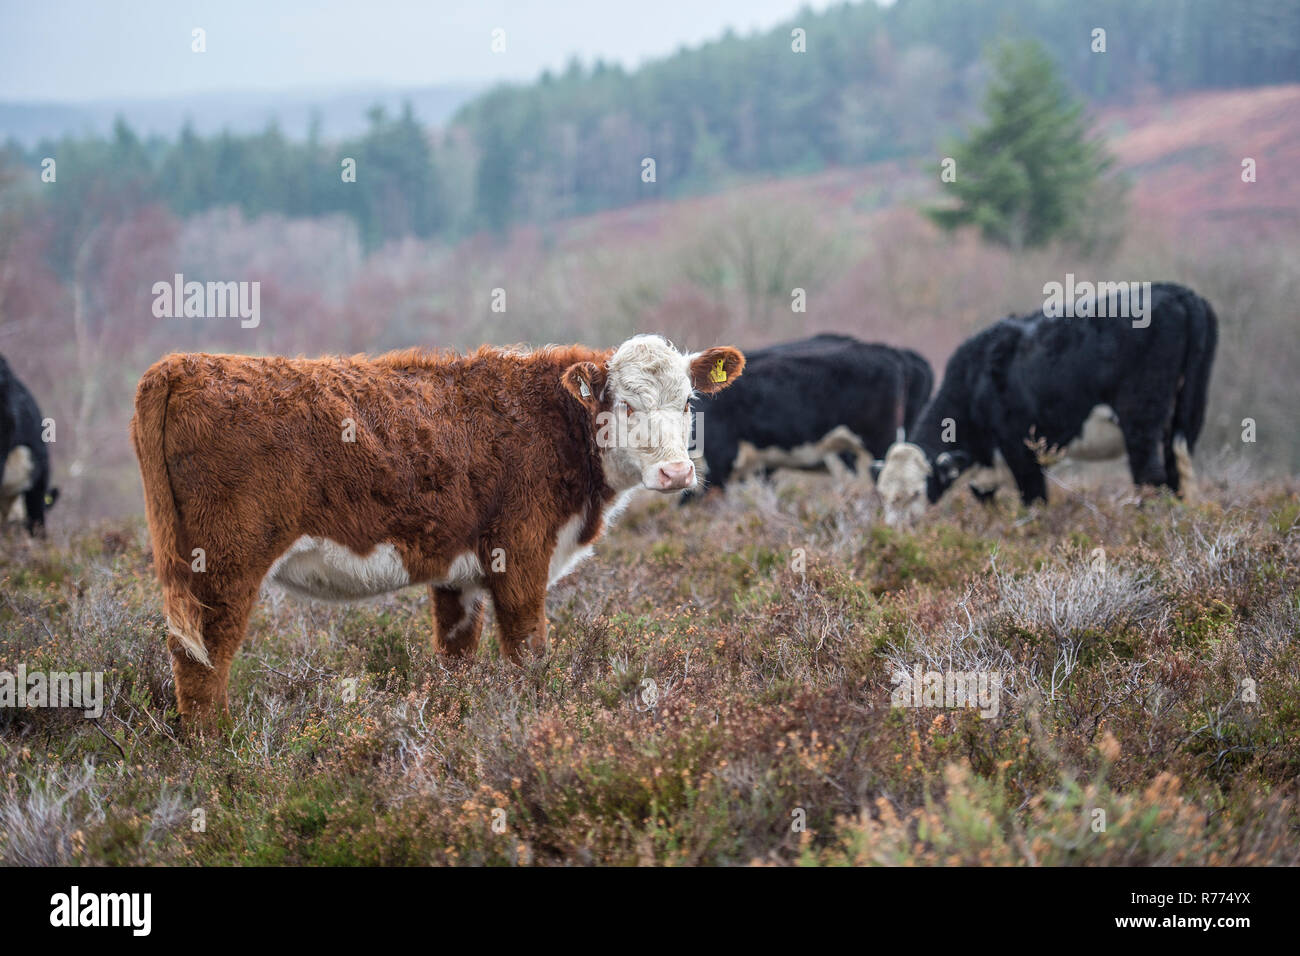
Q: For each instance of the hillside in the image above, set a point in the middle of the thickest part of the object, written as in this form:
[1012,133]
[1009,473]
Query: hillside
[1182,156]
[850,84]
[1185,156]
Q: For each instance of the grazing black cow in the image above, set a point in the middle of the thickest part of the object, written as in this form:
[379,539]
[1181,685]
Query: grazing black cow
[917,374]
[25,458]
[1036,385]
[806,403]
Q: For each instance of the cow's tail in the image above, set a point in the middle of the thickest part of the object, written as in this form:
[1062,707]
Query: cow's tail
[183,610]
[1189,408]
[1183,462]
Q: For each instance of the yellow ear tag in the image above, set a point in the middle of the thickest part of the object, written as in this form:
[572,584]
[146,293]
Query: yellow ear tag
[718,375]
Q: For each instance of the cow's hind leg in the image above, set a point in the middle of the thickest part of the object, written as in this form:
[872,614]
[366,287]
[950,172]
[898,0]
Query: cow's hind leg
[1146,447]
[34,503]
[457,619]
[1147,426]
[202,687]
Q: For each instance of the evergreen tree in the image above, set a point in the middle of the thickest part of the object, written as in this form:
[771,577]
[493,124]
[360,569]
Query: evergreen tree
[1025,177]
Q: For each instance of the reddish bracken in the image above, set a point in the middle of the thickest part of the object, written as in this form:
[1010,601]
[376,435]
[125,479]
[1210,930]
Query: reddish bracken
[489,474]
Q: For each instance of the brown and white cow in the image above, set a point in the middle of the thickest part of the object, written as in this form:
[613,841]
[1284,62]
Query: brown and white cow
[489,474]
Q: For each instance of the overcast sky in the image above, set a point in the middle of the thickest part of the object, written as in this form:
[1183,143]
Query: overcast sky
[79,50]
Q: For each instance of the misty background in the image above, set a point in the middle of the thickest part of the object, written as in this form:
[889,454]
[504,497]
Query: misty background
[522,168]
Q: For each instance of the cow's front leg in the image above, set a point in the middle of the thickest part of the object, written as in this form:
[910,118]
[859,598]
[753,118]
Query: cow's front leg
[457,620]
[1023,464]
[520,602]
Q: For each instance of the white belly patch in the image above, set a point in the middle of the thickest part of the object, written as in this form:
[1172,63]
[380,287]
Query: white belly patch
[325,570]
[328,571]
[1101,438]
[986,480]
[17,472]
[809,455]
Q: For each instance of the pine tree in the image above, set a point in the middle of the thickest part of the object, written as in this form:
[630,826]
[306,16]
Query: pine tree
[1027,175]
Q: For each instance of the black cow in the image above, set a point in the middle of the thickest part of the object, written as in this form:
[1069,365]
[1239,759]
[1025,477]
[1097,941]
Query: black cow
[918,376]
[1028,386]
[23,454]
[802,403]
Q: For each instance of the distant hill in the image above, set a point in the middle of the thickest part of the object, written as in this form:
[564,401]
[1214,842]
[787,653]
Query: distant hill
[342,114]
[1184,156]
[1181,156]
[851,84]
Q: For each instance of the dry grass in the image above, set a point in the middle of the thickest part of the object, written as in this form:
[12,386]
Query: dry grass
[770,623]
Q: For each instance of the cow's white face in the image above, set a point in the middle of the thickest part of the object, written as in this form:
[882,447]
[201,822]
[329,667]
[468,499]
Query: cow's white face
[641,404]
[903,483]
[908,480]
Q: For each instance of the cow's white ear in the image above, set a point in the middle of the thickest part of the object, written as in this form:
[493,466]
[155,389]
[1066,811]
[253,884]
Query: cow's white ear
[586,381]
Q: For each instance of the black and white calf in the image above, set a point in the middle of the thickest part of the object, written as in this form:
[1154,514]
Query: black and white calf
[1035,387]
[23,452]
[811,404]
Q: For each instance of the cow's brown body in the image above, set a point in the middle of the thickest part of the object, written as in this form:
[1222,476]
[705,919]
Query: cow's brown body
[463,473]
